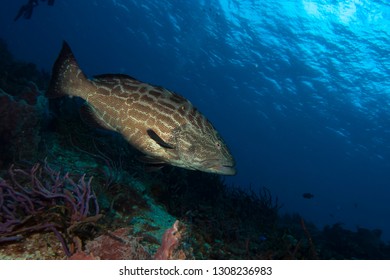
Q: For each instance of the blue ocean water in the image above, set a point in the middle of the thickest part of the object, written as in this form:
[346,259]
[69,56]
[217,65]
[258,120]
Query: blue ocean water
[300,90]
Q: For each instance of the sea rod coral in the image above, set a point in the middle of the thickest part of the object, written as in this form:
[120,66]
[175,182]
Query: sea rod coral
[41,199]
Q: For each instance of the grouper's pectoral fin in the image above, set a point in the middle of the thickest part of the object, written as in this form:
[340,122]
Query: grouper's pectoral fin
[158,139]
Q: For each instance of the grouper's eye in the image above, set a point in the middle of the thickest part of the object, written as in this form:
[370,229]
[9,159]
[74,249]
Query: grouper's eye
[218,145]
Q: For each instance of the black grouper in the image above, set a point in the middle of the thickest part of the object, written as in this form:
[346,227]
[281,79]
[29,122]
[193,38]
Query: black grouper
[161,124]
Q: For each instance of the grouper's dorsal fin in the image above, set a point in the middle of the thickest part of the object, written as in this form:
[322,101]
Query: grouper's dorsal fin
[112,77]
[158,139]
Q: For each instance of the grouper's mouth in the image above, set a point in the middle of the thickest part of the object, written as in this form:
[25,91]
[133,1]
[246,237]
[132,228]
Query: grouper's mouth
[218,167]
[225,170]
[222,169]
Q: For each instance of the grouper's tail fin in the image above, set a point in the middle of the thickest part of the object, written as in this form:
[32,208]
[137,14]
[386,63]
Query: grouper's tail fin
[66,77]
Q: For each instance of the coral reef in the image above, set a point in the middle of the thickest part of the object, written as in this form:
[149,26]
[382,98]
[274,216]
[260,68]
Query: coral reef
[19,137]
[23,108]
[117,245]
[340,243]
[41,199]
[170,242]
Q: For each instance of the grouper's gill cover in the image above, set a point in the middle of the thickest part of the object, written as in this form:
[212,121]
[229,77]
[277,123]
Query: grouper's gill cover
[161,124]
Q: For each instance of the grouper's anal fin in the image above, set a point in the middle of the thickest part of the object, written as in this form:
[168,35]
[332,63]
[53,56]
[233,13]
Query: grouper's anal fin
[67,77]
[152,134]
[152,164]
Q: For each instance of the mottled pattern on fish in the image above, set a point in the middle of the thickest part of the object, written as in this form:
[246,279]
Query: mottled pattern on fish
[163,125]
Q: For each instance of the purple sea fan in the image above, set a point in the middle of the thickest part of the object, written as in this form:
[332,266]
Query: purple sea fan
[42,199]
